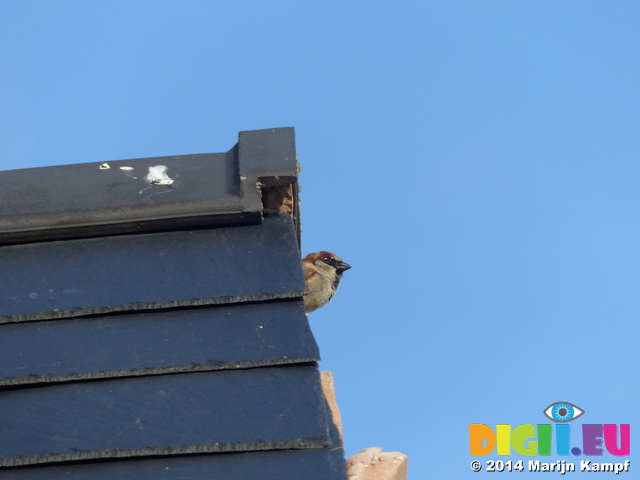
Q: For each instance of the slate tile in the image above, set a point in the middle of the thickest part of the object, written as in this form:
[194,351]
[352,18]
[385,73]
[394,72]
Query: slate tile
[156,342]
[148,271]
[311,464]
[267,408]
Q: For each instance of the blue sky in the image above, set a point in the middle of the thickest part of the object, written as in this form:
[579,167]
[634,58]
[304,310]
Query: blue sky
[475,161]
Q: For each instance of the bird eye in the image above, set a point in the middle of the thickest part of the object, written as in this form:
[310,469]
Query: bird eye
[563,412]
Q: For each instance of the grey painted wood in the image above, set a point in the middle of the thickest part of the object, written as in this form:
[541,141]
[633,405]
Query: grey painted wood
[146,194]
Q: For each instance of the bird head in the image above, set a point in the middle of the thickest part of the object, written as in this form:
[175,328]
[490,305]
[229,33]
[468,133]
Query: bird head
[328,258]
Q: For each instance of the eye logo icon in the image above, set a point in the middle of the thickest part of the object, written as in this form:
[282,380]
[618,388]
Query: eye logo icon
[563,412]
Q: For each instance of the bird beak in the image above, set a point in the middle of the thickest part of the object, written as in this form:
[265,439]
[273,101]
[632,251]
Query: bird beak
[343,267]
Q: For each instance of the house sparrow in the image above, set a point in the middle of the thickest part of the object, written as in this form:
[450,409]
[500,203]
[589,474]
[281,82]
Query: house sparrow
[322,274]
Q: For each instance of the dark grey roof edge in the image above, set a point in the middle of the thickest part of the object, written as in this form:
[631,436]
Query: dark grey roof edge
[204,339]
[138,226]
[83,200]
[299,443]
[79,312]
[185,368]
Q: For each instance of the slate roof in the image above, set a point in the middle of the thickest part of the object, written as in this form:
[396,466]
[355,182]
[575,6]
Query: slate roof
[152,323]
